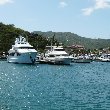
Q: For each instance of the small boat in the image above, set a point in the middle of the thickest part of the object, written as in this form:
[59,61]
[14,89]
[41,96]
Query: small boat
[103,58]
[56,55]
[22,52]
[3,57]
[81,59]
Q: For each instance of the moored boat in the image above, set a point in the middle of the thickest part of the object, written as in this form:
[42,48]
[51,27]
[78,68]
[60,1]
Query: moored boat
[56,55]
[82,59]
[103,58]
[22,52]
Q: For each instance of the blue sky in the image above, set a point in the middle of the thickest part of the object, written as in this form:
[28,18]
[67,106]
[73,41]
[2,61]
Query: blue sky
[87,18]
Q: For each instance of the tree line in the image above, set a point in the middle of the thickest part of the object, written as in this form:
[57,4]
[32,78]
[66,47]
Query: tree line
[8,34]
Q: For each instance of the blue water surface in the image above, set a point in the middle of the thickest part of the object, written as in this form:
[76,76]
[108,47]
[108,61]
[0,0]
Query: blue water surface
[55,87]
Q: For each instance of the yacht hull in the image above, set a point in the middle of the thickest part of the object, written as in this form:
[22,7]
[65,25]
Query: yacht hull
[61,61]
[82,60]
[27,58]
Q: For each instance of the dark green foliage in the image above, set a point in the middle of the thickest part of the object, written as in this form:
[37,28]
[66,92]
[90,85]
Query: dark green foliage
[8,34]
[39,39]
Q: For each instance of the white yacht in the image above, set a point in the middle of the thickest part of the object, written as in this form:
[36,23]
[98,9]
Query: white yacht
[22,52]
[56,55]
[82,59]
[104,58]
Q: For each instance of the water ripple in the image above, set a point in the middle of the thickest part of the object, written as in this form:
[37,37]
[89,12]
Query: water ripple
[55,87]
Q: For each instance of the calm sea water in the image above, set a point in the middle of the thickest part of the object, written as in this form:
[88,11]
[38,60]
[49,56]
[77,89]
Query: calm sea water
[55,87]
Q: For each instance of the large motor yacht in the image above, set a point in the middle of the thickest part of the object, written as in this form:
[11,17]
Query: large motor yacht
[57,55]
[22,52]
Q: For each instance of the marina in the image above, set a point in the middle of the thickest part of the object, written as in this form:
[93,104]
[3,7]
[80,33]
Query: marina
[55,55]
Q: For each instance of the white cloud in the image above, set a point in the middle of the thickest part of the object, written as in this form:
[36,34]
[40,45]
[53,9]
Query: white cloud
[99,4]
[3,2]
[102,4]
[63,4]
[87,11]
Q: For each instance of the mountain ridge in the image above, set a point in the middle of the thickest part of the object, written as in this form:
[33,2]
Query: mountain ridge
[68,38]
[40,39]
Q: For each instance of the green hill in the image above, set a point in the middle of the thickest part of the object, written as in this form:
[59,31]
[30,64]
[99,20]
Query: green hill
[68,38]
[39,39]
[8,33]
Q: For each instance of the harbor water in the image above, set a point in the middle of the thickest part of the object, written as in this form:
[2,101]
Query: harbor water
[55,87]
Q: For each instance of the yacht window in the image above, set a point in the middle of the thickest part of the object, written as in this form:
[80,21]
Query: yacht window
[65,55]
[57,55]
[59,49]
[108,56]
[26,47]
[11,54]
[18,54]
[51,56]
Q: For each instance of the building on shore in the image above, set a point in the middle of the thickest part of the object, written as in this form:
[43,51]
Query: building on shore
[78,49]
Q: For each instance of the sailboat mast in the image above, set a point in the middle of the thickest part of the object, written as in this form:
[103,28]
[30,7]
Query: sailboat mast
[51,45]
[26,38]
[52,41]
